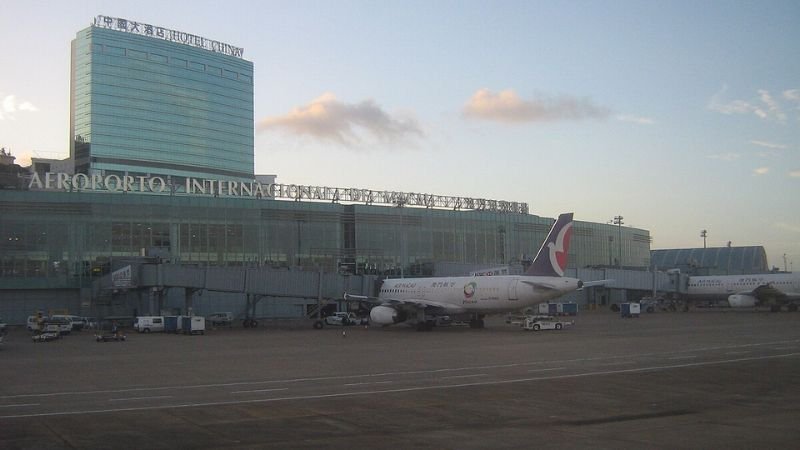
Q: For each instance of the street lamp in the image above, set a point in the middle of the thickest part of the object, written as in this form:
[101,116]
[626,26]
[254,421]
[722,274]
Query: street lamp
[704,234]
[618,222]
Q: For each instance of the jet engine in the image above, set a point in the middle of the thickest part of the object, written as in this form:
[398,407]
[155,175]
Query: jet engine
[385,315]
[741,301]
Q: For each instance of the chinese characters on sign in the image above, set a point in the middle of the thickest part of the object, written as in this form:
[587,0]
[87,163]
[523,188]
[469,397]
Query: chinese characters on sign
[144,29]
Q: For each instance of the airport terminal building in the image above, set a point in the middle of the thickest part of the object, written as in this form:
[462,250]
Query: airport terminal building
[163,175]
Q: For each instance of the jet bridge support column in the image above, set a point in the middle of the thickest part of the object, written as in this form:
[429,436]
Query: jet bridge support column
[187,300]
[250,311]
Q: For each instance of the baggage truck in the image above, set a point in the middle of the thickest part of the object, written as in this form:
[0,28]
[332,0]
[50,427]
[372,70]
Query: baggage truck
[630,310]
[193,325]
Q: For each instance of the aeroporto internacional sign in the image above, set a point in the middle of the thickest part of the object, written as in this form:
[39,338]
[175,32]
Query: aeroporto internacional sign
[253,189]
[144,29]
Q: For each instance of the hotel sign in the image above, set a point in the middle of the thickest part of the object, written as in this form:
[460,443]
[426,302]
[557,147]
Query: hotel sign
[253,189]
[144,29]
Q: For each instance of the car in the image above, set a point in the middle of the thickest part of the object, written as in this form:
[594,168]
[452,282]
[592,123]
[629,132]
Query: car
[537,323]
[220,319]
[344,318]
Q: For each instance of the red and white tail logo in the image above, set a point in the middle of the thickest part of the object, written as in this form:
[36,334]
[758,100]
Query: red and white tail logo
[559,249]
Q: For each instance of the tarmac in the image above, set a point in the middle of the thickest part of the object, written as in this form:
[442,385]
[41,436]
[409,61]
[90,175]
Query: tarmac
[702,379]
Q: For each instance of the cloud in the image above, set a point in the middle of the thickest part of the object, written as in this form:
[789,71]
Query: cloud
[760,171]
[765,106]
[725,156]
[329,119]
[9,107]
[792,95]
[769,145]
[773,110]
[506,106]
[795,173]
[635,119]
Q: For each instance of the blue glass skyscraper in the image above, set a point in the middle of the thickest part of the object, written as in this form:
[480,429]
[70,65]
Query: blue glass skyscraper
[146,100]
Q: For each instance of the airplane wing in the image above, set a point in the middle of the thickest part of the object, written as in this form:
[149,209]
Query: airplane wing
[767,292]
[418,302]
[596,283]
[539,285]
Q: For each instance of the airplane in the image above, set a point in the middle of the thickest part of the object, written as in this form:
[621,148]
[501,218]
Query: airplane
[420,301]
[747,291]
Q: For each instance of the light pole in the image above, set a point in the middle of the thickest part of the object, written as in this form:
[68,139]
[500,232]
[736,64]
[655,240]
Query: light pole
[610,241]
[704,234]
[618,222]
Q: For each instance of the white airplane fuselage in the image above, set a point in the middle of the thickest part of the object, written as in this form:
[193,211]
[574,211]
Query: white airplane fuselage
[722,286]
[478,294]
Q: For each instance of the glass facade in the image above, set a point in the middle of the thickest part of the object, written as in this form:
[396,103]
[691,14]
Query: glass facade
[65,236]
[713,261]
[143,105]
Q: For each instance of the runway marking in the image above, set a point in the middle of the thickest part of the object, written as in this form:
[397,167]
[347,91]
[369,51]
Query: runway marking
[20,405]
[410,389]
[368,382]
[259,390]
[465,376]
[685,357]
[737,353]
[138,398]
[617,363]
[384,374]
[546,370]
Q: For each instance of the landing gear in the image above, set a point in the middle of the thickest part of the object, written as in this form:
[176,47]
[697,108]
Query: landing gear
[250,323]
[476,322]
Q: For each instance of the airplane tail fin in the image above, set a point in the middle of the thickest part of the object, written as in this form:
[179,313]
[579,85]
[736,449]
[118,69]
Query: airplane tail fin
[551,260]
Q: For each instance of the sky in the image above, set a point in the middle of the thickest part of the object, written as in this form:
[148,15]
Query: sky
[680,116]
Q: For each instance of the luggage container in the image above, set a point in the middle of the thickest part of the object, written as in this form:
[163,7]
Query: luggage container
[630,310]
[173,324]
[567,309]
[193,325]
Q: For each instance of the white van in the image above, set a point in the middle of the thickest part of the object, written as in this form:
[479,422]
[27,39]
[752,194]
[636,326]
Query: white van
[147,324]
[75,322]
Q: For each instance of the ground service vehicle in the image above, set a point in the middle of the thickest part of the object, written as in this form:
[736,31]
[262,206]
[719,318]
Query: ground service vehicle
[343,318]
[147,324]
[35,323]
[536,323]
[220,319]
[57,324]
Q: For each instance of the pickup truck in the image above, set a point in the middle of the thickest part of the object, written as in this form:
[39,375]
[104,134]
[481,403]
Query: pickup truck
[344,318]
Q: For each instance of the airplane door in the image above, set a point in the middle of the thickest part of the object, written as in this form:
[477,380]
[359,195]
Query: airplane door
[512,290]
